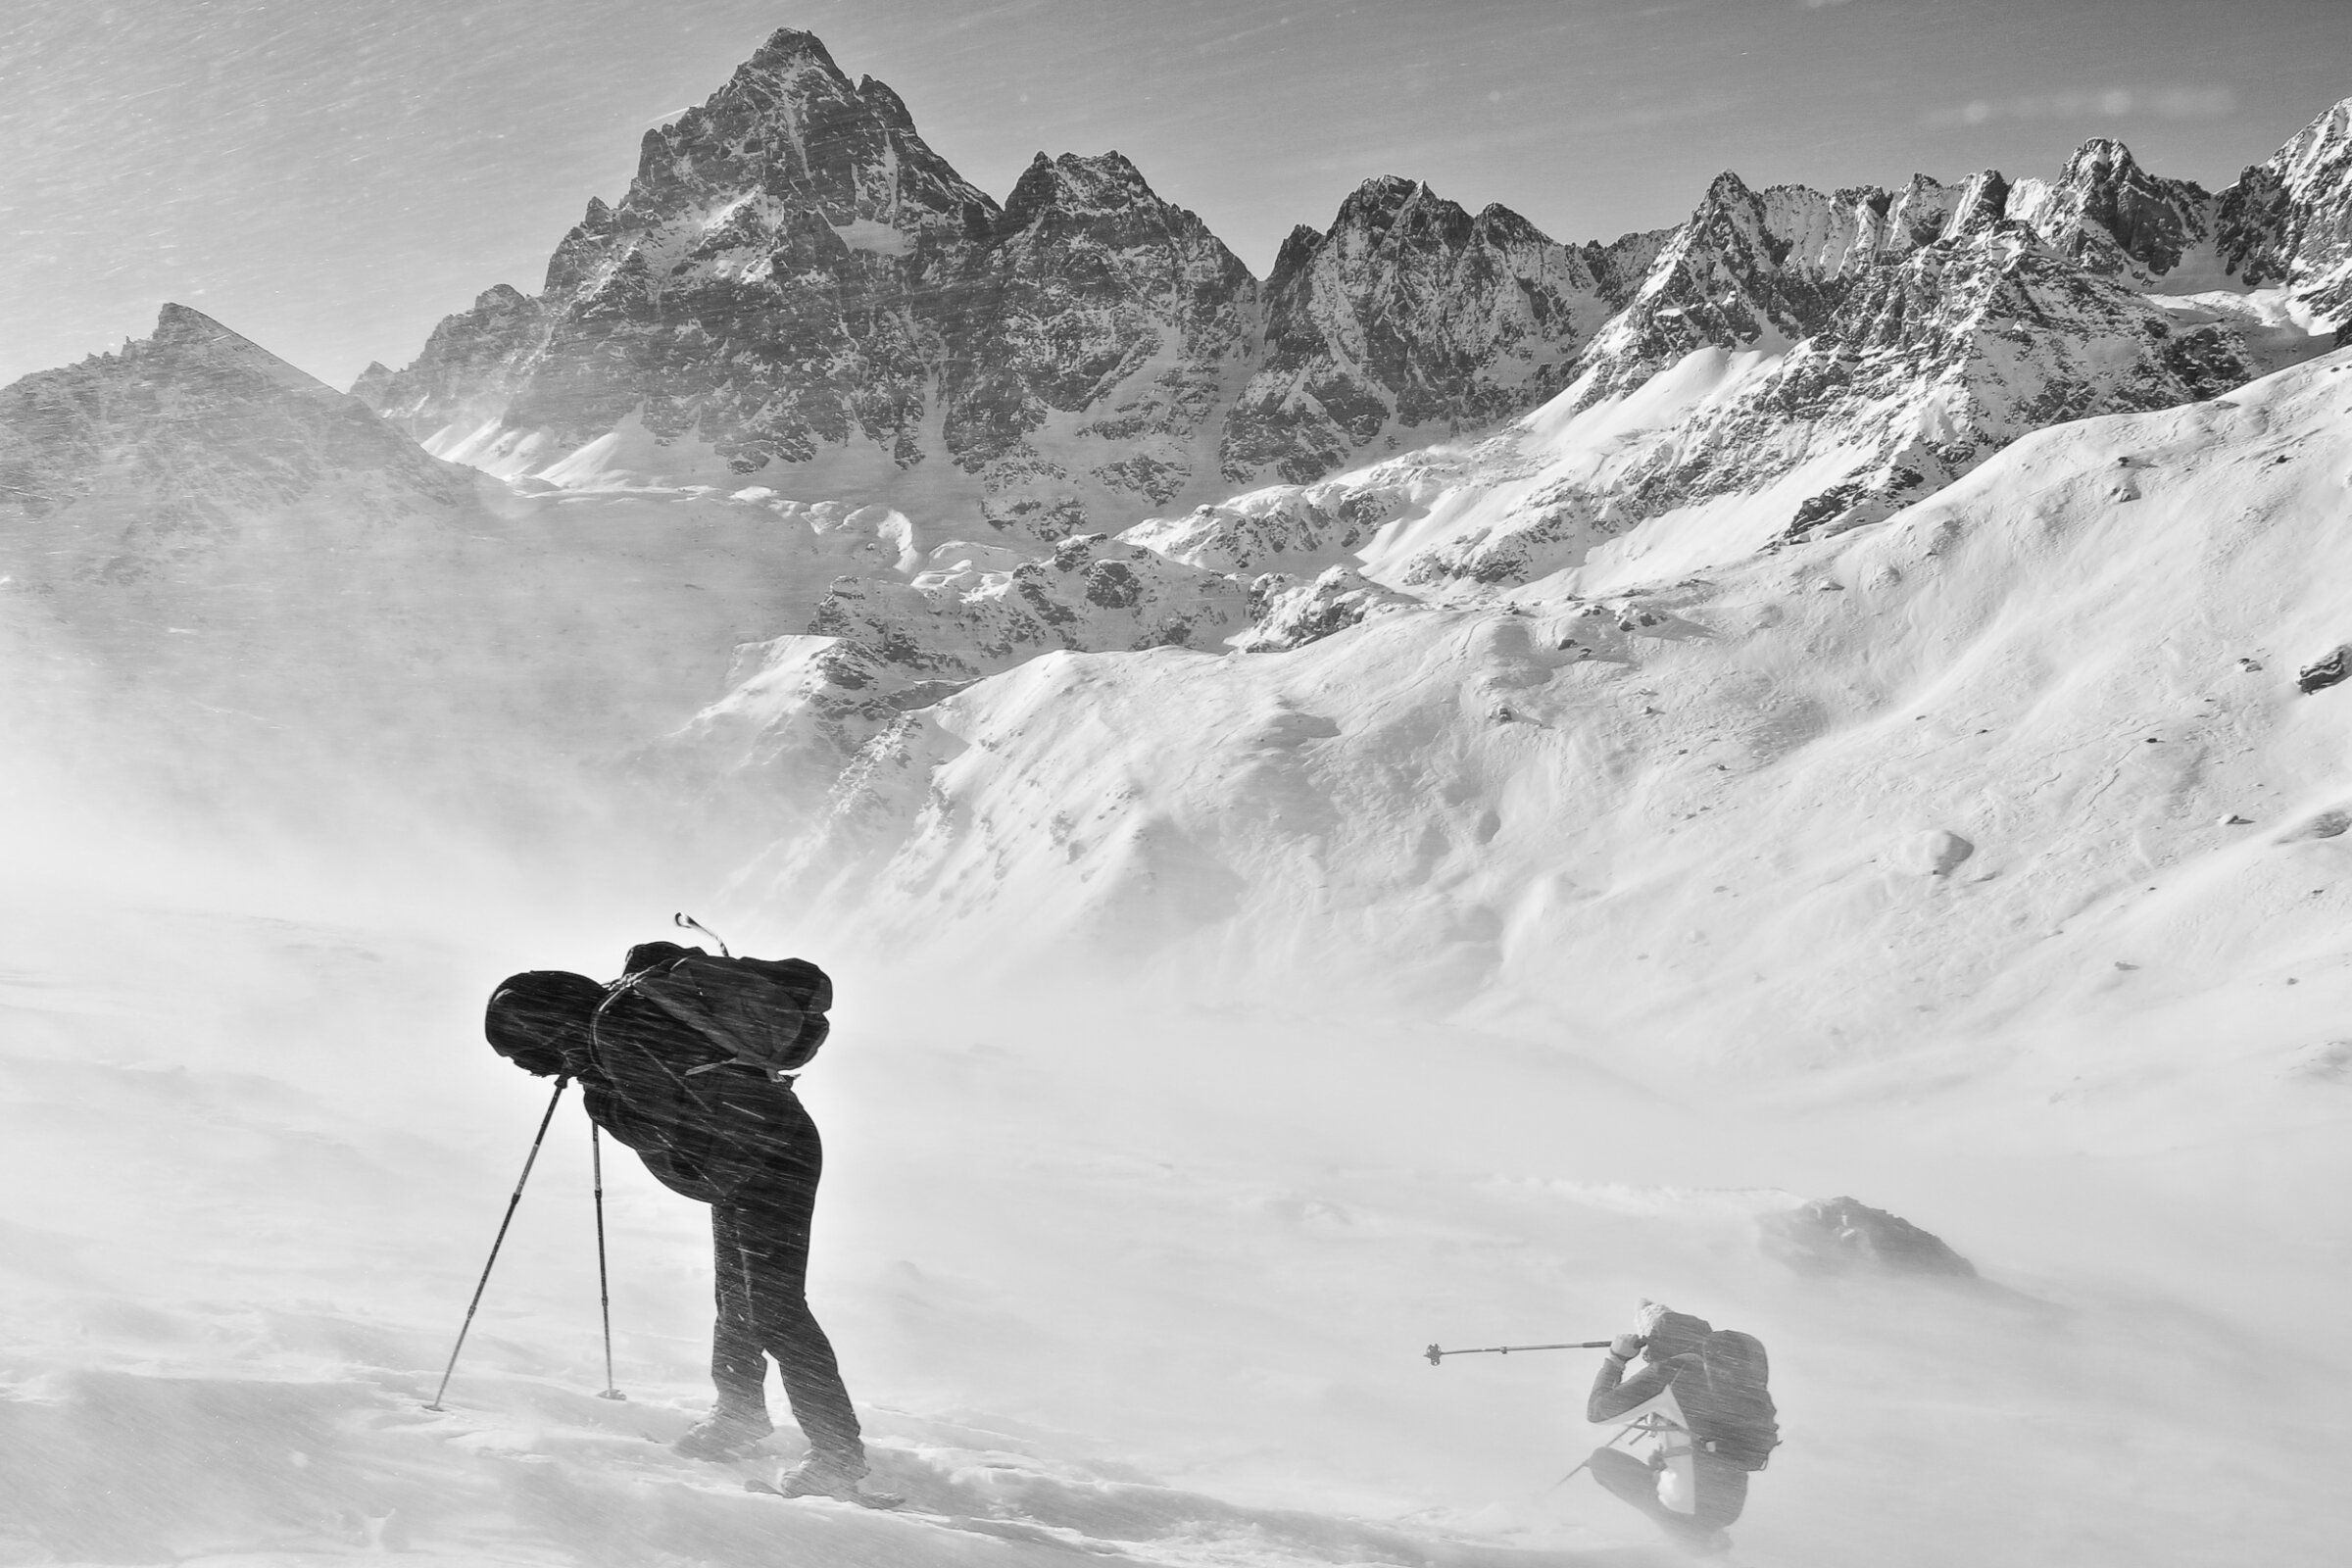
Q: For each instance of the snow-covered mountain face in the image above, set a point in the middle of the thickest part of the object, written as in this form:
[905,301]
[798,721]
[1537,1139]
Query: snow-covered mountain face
[797,286]
[1410,319]
[1979,764]
[2285,220]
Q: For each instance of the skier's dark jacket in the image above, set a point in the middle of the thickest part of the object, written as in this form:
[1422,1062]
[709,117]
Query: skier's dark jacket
[707,1126]
[1722,1422]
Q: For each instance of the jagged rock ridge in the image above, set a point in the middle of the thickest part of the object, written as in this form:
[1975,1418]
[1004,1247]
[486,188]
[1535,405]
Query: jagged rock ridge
[796,282]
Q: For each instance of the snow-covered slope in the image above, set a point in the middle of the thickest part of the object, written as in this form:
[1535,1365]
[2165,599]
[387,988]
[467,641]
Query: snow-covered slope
[1144,1289]
[2079,661]
[1319,920]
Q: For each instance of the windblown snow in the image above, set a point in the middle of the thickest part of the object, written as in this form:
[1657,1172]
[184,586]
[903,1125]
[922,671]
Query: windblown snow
[1807,744]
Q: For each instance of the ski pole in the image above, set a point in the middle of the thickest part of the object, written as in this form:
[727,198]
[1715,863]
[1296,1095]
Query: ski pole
[687,922]
[1587,1462]
[604,1288]
[1436,1356]
[529,1161]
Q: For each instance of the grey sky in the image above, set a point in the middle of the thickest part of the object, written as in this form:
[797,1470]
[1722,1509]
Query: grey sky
[331,177]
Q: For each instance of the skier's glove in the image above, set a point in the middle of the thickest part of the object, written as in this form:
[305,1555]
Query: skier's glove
[1624,1346]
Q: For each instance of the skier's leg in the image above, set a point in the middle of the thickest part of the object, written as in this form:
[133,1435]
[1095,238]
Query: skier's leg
[776,1236]
[1631,1481]
[737,1367]
[1722,1493]
[739,1418]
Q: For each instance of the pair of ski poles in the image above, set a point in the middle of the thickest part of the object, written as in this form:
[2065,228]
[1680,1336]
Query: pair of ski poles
[603,1290]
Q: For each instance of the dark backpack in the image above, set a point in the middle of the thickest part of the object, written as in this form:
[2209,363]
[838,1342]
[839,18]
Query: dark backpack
[1741,1424]
[686,1059]
[767,1013]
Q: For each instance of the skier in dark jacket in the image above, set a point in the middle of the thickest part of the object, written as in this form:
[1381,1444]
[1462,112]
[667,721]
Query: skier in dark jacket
[731,1133]
[1700,1423]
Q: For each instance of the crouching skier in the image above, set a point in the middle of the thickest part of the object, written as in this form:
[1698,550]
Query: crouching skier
[688,1060]
[1700,1404]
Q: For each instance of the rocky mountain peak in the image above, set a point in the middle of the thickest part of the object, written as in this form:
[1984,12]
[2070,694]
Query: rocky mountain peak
[2318,148]
[2099,162]
[2109,216]
[887,106]
[1297,248]
[2289,219]
[1729,278]
[1406,313]
[182,434]
[1983,202]
[1919,215]
[368,385]
[1729,192]
[1388,209]
[189,355]
[1104,183]
[789,49]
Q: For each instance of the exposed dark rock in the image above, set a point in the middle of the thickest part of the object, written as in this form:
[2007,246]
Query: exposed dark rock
[1096,301]
[795,275]
[2109,216]
[1408,314]
[1845,1235]
[2327,671]
[2289,219]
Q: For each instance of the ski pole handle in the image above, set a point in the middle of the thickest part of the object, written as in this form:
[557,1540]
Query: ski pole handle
[1436,1356]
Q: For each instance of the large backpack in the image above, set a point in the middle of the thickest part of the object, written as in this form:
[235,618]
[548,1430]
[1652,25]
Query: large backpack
[686,1059]
[767,1013]
[1741,1424]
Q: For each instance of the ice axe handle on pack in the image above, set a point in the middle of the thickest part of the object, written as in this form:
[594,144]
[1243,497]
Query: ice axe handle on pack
[1437,1356]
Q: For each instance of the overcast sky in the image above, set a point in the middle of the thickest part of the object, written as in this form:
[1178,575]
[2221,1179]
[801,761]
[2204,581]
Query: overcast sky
[331,177]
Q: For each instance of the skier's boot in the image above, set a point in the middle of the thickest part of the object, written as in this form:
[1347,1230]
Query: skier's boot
[834,1474]
[728,1432]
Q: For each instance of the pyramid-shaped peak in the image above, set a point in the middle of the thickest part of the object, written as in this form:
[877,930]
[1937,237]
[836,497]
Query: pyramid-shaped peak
[2321,144]
[1392,209]
[186,336]
[1727,188]
[179,326]
[2101,157]
[1380,197]
[788,46]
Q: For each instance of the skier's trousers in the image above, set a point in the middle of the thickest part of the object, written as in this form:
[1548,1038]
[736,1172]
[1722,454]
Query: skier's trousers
[1722,1490]
[760,1241]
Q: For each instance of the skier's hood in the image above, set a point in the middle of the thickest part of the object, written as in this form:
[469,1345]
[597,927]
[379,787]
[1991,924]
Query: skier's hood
[538,1019]
[1671,1332]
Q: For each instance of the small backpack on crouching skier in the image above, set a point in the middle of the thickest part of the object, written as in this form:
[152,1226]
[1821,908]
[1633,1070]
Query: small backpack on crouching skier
[1740,1424]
